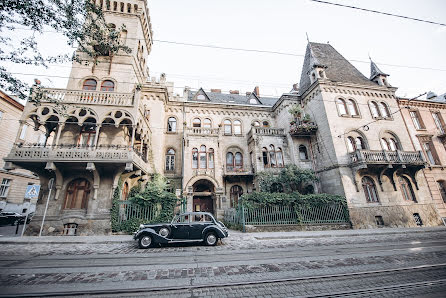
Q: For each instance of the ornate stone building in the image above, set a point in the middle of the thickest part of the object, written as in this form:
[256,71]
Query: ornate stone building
[425,120]
[122,125]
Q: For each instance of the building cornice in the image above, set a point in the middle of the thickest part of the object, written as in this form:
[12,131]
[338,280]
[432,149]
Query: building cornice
[11,101]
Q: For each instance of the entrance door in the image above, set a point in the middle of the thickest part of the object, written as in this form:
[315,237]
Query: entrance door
[203,204]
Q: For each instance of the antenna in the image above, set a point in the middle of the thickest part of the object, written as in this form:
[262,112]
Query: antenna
[308,39]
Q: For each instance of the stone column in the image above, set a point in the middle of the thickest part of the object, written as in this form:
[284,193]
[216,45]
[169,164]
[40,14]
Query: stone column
[96,137]
[60,127]
[133,136]
[19,131]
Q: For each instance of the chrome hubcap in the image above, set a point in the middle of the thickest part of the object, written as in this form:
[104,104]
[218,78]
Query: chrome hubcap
[211,239]
[164,232]
[146,240]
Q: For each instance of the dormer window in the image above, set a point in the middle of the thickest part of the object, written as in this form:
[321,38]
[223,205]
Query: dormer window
[321,74]
[253,101]
[201,97]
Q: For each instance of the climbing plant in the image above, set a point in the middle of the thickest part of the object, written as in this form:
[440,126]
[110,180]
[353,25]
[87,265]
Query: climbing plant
[291,179]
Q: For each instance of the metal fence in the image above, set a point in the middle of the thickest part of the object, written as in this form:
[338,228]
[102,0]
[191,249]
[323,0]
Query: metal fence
[128,211]
[277,215]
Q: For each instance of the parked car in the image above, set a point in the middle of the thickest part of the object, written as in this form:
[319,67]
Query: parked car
[186,227]
[11,218]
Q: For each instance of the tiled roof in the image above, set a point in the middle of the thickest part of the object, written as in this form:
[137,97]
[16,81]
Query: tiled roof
[216,97]
[338,69]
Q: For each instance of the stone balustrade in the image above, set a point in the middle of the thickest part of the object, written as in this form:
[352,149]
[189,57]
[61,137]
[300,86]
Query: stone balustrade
[203,131]
[266,131]
[387,157]
[86,97]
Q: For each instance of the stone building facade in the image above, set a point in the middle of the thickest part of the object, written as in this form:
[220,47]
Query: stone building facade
[122,125]
[14,183]
[425,120]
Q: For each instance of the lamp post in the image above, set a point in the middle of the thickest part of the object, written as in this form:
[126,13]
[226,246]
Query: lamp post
[50,187]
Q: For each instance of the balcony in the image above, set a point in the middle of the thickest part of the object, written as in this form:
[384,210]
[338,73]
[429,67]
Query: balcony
[202,131]
[378,157]
[441,134]
[266,131]
[303,129]
[37,156]
[86,97]
[234,174]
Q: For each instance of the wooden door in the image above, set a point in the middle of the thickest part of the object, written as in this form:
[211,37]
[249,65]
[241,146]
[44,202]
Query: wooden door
[203,204]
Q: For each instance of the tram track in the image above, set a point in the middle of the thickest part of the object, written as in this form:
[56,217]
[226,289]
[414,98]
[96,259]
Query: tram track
[438,270]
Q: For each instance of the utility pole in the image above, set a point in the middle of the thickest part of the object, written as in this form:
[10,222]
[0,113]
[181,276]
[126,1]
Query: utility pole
[50,187]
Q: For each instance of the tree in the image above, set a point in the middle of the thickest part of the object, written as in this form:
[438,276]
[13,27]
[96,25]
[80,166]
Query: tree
[291,178]
[80,21]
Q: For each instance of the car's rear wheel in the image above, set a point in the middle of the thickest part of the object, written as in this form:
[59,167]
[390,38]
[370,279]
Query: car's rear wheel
[145,241]
[210,239]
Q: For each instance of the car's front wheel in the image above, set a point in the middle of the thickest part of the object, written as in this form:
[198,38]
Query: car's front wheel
[210,239]
[145,241]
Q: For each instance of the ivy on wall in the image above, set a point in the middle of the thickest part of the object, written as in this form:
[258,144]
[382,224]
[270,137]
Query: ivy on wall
[290,179]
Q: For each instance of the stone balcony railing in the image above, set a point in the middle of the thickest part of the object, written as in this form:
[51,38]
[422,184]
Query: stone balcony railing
[237,171]
[86,97]
[202,131]
[266,131]
[303,129]
[380,157]
[72,153]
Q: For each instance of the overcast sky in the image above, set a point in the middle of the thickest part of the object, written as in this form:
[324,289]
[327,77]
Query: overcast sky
[281,25]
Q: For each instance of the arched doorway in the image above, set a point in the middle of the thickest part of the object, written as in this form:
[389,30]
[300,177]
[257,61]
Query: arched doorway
[203,199]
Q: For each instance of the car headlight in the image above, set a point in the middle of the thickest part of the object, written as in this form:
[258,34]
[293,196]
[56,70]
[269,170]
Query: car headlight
[141,226]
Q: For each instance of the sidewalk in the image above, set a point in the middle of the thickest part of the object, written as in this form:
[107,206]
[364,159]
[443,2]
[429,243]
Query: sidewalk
[235,234]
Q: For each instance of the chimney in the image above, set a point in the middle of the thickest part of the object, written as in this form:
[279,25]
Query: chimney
[295,87]
[257,91]
[216,90]
[234,92]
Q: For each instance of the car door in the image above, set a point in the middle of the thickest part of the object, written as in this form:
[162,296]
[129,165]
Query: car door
[197,226]
[180,228]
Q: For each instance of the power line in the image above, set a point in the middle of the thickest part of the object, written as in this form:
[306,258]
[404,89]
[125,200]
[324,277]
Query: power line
[380,12]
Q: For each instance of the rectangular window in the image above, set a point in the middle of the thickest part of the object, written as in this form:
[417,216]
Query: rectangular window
[442,188]
[1,115]
[416,120]
[430,153]
[438,121]
[4,187]
[23,132]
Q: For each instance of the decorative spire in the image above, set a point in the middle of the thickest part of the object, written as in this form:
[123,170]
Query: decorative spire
[375,71]
[314,62]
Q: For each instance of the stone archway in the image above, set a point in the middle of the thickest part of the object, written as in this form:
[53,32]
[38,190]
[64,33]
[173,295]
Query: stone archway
[203,196]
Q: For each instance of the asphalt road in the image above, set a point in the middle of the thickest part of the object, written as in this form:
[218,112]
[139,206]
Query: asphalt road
[396,265]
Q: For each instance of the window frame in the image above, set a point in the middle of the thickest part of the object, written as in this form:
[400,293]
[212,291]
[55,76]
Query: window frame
[439,121]
[352,103]
[202,153]
[235,190]
[237,124]
[227,124]
[5,186]
[406,189]
[367,191]
[171,129]
[194,159]
[207,123]
[106,88]
[73,200]
[170,160]
[196,122]
[304,151]
[442,189]
[341,104]
[89,87]
[416,120]
[374,109]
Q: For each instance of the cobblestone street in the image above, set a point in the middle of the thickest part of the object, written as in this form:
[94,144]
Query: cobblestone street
[252,264]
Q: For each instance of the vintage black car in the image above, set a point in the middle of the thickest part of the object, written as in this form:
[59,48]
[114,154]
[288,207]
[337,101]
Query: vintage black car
[186,227]
[12,218]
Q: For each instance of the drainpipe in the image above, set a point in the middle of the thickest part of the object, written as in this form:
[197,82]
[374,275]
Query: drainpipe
[182,151]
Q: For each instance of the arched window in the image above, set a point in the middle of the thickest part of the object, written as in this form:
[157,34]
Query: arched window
[279,156]
[77,194]
[211,162]
[253,101]
[203,158]
[89,84]
[272,156]
[374,109]
[385,144]
[236,192]
[87,136]
[170,160]
[265,157]
[207,123]
[342,108]
[370,190]
[265,124]
[172,124]
[303,154]
[393,144]
[108,85]
[194,158]
[442,189]
[227,125]
[352,107]
[125,191]
[201,97]
[230,161]
[359,143]
[196,122]
[238,160]
[237,127]
[384,109]
[406,189]
[256,124]
[351,144]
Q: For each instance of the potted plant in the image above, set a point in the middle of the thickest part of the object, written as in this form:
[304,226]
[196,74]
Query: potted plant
[306,118]
[296,111]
